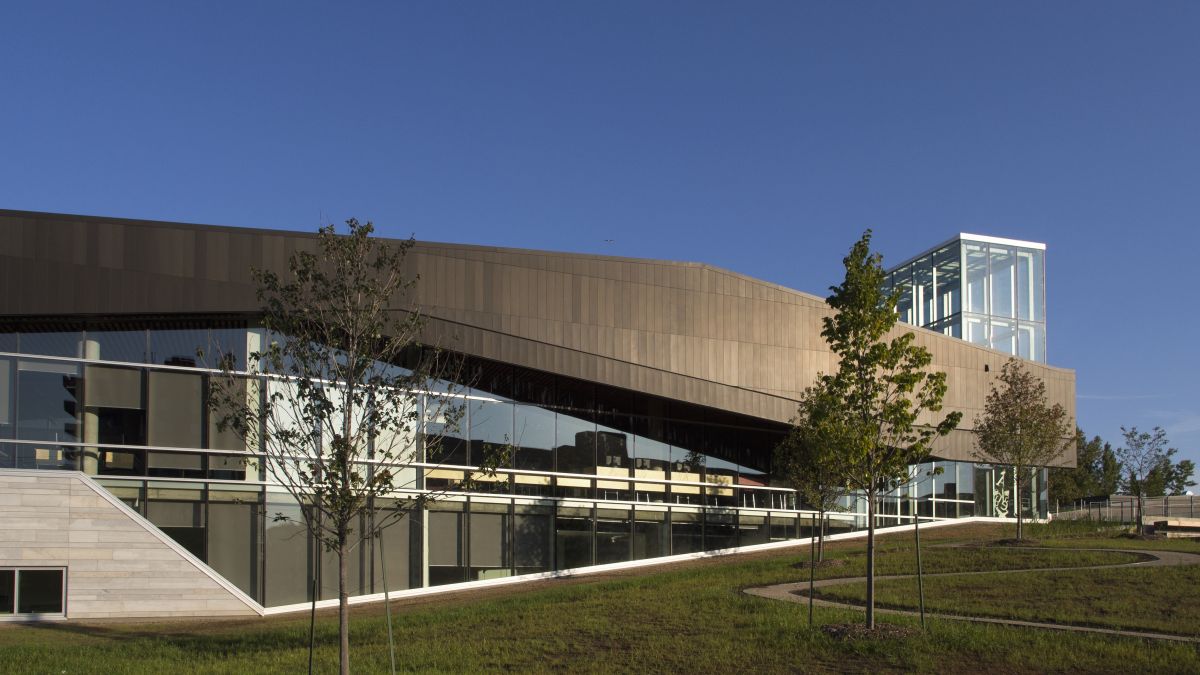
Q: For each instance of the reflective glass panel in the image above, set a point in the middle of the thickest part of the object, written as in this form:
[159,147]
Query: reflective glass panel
[40,591]
[651,535]
[181,347]
[289,560]
[52,344]
[116,345]
[576,445]
[532,533]
[8,581]
[47,401]
[573,530]
[490,545]
[976,262]
[613,539]
[534,437]
[1003,278]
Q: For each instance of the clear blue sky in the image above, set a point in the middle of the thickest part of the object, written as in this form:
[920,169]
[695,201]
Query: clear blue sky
[761,137]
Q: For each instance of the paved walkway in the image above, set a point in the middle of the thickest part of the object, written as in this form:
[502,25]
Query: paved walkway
[798,592]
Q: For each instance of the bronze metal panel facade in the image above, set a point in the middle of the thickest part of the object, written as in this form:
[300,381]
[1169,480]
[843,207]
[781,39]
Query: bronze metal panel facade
[681,330]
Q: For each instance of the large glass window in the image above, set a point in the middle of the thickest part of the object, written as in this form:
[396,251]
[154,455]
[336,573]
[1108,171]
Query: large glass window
[7,399]
[182,347]
[534,438]
[116,345]
[445,536]
[532,534]
[948,281]
[31,591]
[392,549]
[114,404]
[977,277]
[651,460]
[47,401]
[651,534]
[1003,278]
[64,343]
[176,402]
[179,513]
[614,455]
[687,531]
[573,536]
[290,571]
[175,464]
[234,516]
[612,535]
[8,591]
[576,445]
[490,547]
[491,433]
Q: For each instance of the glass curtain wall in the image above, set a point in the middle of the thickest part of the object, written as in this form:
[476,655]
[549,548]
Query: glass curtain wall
[987,293]
[597,475]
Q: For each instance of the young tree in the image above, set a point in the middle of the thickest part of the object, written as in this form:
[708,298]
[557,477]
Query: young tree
[1019,428]
[809,458]
[349,390]
[1097,471]
[1142,452]
[879,390]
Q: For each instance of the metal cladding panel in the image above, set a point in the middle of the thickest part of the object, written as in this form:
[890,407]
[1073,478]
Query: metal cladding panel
[681,330]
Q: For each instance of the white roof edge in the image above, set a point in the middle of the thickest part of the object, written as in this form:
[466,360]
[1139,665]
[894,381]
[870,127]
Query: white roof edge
[1003,241]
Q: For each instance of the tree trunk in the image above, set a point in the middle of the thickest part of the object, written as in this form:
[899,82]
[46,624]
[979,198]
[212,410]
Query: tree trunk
[1020,511]
[812,576]
[821,536]
[343,604]
[920,572]
[871,559]
[1140,510]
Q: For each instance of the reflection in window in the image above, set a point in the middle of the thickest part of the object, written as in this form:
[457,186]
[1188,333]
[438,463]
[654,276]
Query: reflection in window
[233,536]
[52,344]
[183,521]
[489,546]
[116,345]
[612,536]
[532,533]
[976,261]
[7,398]
[122,462]
[573,530]
[687,531]
[651,535]
[114,405]
[576,445]
[176,409]
[175,465]
[446,545]
[289,561]
[1002,277]
[181,347]
[47,401]
[534,438]
[32,591]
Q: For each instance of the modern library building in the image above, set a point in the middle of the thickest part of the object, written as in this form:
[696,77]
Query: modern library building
[642,400]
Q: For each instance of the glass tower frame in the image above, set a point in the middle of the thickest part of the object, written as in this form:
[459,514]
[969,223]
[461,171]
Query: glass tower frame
[986,290]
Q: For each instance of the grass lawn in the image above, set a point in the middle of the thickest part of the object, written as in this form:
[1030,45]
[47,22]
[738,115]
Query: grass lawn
[686,617]
[1164,600]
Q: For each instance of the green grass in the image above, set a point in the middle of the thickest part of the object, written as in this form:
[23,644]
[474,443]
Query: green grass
[688,617]
[1165,599]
